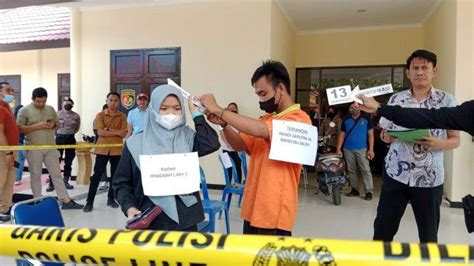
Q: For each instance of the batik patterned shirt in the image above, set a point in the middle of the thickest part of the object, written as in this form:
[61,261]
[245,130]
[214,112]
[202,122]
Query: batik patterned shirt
[411,163]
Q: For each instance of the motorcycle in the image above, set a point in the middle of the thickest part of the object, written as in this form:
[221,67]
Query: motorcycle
[330,170]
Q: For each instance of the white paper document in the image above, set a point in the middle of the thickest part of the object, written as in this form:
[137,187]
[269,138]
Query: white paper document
[184,92]
[372,92]
[294,142]
[186,95]
[170,174]
[226,161]
[343,94]
[339,95]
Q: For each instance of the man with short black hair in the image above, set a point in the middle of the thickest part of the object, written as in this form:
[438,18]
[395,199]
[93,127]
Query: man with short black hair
[111,126]
[414,172]
[38,121]
[271,190]
[69,124]
[356,141]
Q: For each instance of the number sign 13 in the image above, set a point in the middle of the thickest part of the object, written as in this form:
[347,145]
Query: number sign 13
[338,95]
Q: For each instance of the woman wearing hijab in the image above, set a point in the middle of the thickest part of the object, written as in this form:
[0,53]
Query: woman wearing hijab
[164,132]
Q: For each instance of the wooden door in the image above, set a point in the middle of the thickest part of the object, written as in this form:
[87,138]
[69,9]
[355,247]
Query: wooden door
[135,71]
[128,89]
[64,88]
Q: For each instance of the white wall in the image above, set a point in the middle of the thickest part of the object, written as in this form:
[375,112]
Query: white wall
[38,68]
[449,33]
[221,45]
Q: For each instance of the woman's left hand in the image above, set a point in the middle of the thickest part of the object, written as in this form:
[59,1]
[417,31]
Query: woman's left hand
[132,211]
[193,107]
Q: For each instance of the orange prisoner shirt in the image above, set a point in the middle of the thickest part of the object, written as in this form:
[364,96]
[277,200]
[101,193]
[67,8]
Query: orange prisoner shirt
[271,190]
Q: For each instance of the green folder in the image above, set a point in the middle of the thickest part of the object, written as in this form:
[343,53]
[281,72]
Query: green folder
[410,135]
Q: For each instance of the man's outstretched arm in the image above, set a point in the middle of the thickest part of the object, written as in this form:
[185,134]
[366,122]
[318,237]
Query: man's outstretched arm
[460,117]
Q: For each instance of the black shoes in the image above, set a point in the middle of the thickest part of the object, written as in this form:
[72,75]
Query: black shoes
[87,208]
[50,186]
[112,204]
[66,184]
[354,193]
[72,205]
[368,196]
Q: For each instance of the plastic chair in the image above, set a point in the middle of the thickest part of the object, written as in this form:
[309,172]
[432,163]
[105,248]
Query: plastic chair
[230,188]
[43,211]
[211,207]
[243,159]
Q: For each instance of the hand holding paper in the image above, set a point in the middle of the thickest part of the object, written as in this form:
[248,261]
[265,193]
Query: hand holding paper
[369,104]
[431,142]
[192,106]
[187,95]
[210,103]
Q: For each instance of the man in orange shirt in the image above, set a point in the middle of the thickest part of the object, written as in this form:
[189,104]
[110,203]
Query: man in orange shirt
[9,136]
[271,190]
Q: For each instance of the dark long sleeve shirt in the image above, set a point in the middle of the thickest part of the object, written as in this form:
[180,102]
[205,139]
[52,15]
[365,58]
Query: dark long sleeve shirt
[460,117]
[127,183]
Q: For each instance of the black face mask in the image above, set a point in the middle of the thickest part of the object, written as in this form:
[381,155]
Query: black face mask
[68,106]
[331,115]
[269,106]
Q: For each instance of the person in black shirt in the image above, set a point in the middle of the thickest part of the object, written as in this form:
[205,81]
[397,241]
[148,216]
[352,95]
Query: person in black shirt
[164,132]
[455,118]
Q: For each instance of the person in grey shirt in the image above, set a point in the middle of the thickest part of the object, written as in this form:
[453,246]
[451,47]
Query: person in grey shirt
[69,124]
[38,122]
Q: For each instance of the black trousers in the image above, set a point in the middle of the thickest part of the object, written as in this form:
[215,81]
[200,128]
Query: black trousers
[100,168]
[252,230]
[238,165]
[394,199]
[69,154]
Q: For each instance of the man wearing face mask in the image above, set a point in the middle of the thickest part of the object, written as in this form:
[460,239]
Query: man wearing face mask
[9,136]
[7,91]
[331,127]
[357,140]
[111,126]
[69,124]
[271,191]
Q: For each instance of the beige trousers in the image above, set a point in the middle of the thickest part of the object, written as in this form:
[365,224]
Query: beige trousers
[50,158]
[7,180]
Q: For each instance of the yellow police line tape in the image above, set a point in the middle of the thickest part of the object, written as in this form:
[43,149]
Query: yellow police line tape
[54,147]
[145,247]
